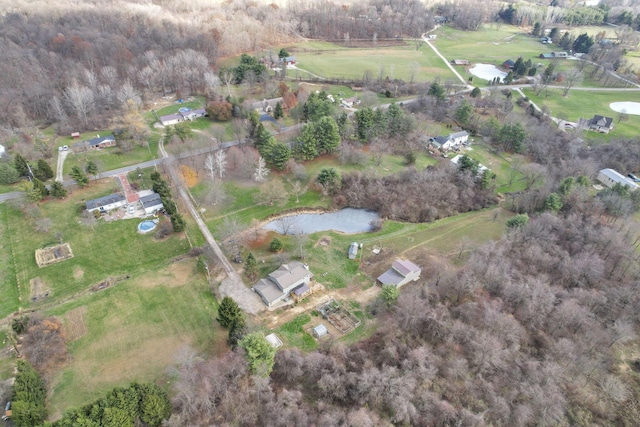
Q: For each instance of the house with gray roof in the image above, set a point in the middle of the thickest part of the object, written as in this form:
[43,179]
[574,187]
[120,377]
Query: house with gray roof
[601,124]
[106,203]
[97,143]
[402,271]
[181,116]
[610,177]
[450,142]
[281,282]
[151,203]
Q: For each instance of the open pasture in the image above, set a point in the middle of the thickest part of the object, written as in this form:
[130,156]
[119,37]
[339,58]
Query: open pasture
[401,62]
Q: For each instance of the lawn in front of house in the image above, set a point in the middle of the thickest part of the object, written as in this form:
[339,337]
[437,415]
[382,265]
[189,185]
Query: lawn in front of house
[110,158]
[110,250]
[134,331]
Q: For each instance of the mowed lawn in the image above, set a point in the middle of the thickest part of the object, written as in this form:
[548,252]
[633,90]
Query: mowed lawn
[490,44]
[134,331]
[110,250]
[585,104]
[351,63]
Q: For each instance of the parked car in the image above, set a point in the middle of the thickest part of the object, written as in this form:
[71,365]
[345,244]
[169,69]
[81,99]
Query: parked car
[63,148]
[633,177]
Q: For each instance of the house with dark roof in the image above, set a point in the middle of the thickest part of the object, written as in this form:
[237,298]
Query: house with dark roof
[280,283]
[611,177]
[508,64]
[450,142]
[601,124]
[151,203]
[97,143]
[289,60]
[402,271]
[106,203]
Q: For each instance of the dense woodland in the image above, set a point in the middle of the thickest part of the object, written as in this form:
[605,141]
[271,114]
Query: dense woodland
[529,331]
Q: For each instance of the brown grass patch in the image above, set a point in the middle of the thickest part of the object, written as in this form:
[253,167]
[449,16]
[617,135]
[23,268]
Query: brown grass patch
[38,289]
[75,323]
[190,176]
[324,242]
[177,274]
[78,273]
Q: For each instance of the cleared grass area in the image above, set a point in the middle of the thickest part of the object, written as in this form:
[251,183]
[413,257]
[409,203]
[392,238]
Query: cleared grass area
[350,63]
[111,250]
[135,331]
[110,158]
[294,335]
[490,44]
[584,104]
[9,301]
[443,236]
[507,178]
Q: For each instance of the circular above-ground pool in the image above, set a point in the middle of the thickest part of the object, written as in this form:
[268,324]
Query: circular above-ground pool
[146,226]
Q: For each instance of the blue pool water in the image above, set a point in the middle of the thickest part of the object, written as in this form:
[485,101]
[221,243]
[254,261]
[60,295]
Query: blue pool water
[146,226]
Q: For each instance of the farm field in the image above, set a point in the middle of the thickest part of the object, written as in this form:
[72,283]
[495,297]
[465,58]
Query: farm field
[489,44]
[119,248]
[134,332]
[584,104]
[332,61]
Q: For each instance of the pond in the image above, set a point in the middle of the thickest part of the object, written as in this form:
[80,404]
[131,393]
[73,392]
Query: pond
[487,72]
[347,220]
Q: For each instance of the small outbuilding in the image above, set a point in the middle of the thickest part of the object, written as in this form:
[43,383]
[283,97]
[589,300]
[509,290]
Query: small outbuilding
[508,64]
[274,340]
[402,271]
[320,331]
[353,250]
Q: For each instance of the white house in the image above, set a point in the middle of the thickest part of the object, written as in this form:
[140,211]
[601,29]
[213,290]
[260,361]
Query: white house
[151,203]
[402,271]
[282,282]
[610,177]
[349,102]
[450,142]
[181,116]
[106,203]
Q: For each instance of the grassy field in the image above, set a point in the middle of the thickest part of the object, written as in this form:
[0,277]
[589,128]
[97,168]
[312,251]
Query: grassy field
[583,104]
[118,247]
[134,331]
[489,44]
[507,179]
[110,158]
[293,333]
[332,61]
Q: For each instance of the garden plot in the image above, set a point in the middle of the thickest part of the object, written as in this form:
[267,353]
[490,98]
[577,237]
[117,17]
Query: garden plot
[339,317]
[53,254]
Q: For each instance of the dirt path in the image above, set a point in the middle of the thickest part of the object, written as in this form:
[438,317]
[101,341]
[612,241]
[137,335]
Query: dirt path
[232,286]
[62,155]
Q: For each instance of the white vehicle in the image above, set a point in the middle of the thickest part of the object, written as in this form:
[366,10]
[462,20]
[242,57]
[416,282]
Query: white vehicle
[63,148]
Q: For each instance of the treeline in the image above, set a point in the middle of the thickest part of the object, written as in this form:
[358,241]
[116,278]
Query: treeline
[138,404]
[416,196]
[160,186]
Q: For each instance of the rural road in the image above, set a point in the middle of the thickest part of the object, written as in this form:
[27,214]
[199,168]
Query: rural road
[232,286]
[453,70]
